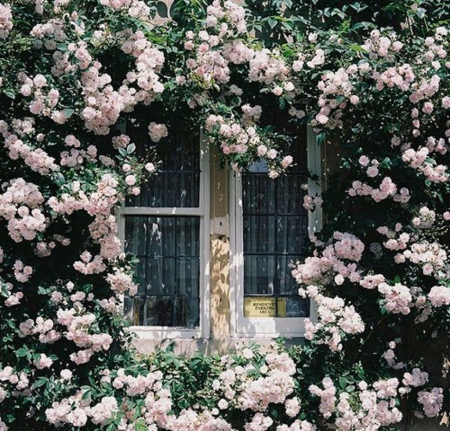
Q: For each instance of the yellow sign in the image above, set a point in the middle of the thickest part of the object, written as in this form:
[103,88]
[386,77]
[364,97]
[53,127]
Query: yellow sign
[264,307]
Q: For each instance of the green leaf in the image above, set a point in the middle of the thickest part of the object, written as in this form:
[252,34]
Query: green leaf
[131,148]
[69,112]
[140,425]
[22,353]
[41,381]
[342,382]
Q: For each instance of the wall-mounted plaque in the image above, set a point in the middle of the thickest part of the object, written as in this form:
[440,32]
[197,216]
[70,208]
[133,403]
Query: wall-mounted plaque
[255,306]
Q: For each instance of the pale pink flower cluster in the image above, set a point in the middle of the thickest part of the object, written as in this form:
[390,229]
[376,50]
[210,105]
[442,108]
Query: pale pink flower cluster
[432,257]
[19,380]
[381,46]
[157,131]
[75,157]
[420,160]
[327,396]
[334,85]
[401,76]
[149,61]
[103,410]
[363,409]
[88,265]
[251,114]
[36,158]
[234,137]
[103,104]
[275,387]
[390,358]
[103,229]
[431,401]
[439,296]
[190,420]
[72,410]
[426,89]
[259,423]
[44,328]
[158,403]
[270,68]
[50,33]
[396,240]
[435,145]
[425,218]
[334,319]
[224,15]
[22,273]
[385,190]
[13,299]
[397,298]
[312,202]
[297,425]
[112,305]
[435,51]
[19,205]
[414,379]
[43,362]
[135,8]
[209,67]
[371,281]
[121,283]
[239,386]
[239,137]
[320,270]
[237,52]
[292,406]
[6,24]
[78,325]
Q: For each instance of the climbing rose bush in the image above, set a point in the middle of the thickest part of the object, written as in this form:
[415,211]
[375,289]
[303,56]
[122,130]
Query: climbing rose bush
[73,74]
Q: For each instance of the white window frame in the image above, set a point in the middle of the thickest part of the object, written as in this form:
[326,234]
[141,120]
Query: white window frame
[244,327]
[203,212]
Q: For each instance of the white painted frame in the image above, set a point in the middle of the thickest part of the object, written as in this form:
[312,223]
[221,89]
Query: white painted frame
[244,327]
[202,211]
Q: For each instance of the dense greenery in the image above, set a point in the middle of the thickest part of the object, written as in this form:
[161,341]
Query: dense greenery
[371,77]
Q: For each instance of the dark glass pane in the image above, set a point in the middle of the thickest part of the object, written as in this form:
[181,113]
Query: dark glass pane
[259,234]
[259,275]
[160,276]
[297,307]
[168,270]
[172,311]
[291,233]
[258,193]
[187,271]
[177,183]
[136,229]
[290,193]
[286,283]
[275,226]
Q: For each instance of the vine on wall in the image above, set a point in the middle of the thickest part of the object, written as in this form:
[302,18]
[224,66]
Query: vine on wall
[374,78]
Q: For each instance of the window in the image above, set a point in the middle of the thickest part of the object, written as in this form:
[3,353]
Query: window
[165,227]
[269,230]
[168,228]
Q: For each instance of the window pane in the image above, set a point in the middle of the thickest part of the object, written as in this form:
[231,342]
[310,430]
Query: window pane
[259,275]
[259,234]
[290,233]
[274,230]
[177,183]
[168,251]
